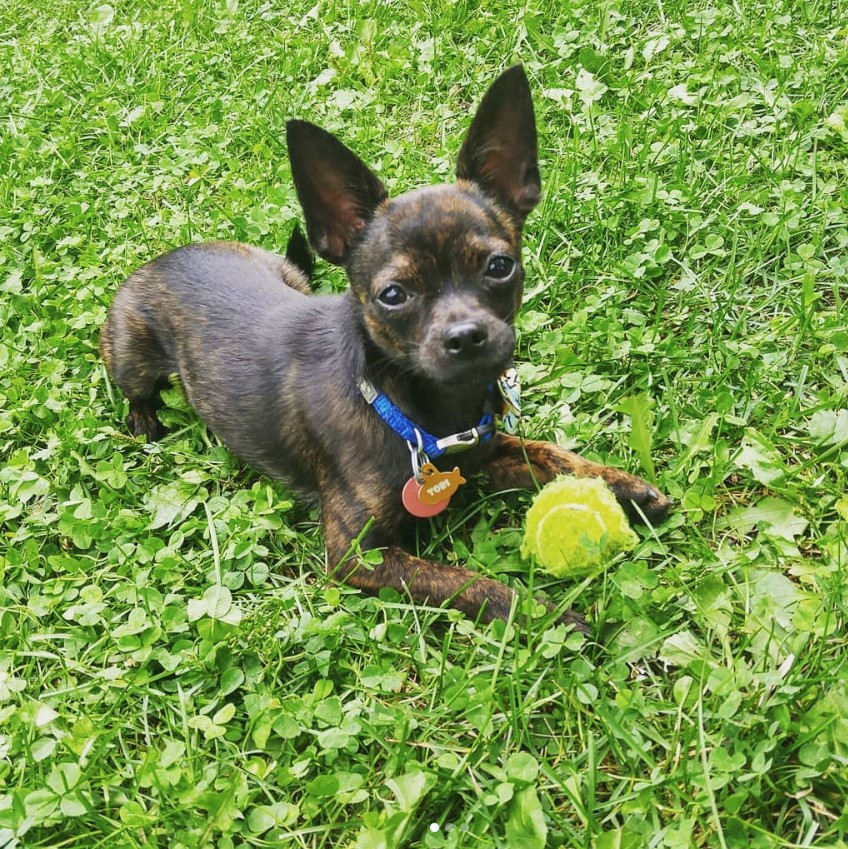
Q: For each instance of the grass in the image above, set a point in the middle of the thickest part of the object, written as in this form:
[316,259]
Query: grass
[174,669]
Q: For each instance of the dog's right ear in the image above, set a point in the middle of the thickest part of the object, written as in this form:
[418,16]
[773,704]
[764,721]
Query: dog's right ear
[337,191]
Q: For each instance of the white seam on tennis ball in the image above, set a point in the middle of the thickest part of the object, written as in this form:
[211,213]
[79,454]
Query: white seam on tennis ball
[580,508]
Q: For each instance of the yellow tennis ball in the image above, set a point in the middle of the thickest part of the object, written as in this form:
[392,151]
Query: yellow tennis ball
[574,525]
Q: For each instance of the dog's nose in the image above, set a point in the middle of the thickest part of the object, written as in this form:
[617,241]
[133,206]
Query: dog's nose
[466,337]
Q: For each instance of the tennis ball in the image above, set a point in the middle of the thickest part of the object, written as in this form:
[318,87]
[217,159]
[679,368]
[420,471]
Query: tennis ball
[574,525]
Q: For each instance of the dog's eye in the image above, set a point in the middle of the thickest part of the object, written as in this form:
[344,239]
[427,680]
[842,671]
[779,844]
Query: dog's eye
[392,296]
[500,267]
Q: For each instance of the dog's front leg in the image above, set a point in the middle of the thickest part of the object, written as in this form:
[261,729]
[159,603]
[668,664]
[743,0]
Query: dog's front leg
[424,581]
[524,463]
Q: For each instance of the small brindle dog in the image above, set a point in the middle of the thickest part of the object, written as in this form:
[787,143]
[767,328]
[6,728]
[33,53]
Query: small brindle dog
[365,400]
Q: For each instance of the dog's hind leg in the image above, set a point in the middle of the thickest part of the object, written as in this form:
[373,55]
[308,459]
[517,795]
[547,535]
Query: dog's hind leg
[138,364]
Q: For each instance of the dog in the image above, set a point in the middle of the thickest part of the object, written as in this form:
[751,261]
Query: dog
[381,401]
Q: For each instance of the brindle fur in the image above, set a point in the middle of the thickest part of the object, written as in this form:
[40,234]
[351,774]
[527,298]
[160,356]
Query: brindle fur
[273,369]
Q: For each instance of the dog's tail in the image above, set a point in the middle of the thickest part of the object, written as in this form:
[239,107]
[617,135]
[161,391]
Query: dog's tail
[298,252]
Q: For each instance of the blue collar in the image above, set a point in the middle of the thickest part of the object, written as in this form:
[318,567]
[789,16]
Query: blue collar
[417,436]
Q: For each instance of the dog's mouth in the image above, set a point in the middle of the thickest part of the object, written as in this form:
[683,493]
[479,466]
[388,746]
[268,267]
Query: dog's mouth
[478,376]
[472,366]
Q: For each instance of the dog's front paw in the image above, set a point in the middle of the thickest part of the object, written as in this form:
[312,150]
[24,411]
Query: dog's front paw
[142,421]
[641,500]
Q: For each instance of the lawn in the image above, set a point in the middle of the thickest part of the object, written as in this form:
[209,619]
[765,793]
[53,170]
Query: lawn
[174,669]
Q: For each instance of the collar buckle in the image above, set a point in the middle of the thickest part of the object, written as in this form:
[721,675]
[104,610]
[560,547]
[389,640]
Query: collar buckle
[461,441]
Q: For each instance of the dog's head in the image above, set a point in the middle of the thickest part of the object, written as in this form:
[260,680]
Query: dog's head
[437,271]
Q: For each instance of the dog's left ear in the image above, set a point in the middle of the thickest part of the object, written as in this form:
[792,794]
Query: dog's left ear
[499,153]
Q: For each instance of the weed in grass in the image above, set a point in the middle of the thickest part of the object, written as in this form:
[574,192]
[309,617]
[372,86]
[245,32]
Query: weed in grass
[175,672]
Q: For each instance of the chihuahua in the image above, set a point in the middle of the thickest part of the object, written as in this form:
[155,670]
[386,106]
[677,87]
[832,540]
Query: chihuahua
[382,401]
